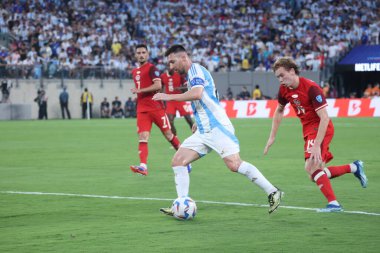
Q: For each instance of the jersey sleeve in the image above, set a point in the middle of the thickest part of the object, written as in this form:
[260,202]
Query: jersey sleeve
[281,99]
[162,77]
[154,73]
[196,81]
[317,98]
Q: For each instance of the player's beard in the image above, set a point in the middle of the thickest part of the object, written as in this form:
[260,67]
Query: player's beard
[181,71]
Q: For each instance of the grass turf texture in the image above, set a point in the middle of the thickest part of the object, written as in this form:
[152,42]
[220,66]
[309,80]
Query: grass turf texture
[93,157]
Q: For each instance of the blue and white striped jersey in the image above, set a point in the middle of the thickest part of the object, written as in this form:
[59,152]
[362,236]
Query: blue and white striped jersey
[208,112]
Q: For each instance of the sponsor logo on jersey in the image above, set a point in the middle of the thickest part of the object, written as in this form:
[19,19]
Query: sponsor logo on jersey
[157,73]
[319,98]
[294,96]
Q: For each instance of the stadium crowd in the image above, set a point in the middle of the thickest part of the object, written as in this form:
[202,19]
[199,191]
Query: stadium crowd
[60,36]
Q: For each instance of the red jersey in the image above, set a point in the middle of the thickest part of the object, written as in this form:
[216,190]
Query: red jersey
[172,83]
[143,77]
[306,100]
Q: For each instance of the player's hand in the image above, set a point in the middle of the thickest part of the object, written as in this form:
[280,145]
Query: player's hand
[194,128]
[134,90]
[269,144]
[161,96]
[315,153]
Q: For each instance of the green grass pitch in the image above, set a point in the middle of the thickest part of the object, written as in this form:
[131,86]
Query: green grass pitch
[91,158]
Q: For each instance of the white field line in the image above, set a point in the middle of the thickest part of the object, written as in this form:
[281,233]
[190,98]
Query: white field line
[162,199]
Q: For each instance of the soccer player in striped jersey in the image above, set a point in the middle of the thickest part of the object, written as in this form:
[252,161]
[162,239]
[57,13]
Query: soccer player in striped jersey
[213,129]
[308,101]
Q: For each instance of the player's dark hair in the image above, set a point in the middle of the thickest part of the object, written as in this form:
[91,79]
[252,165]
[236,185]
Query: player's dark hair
[287,63]
[140,46]
[175,49]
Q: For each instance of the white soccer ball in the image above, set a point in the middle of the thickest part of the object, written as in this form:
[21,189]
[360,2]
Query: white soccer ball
[184,208]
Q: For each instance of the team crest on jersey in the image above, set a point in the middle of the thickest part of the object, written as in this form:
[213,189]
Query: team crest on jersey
[300,108]
[319,98]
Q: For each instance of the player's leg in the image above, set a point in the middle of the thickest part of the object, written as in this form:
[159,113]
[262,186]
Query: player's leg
[235,164]
[183,109]
[171,112]
[225,143]
[356,167]
[316,173]
[191,150]
[171,118]
[162,121]
[144,125]
[182,158]
[189,120]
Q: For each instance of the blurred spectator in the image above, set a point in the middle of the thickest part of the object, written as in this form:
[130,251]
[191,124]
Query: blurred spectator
[229,94]
[244,94]
[41,100]
[5,91]
[257,94]
[86,100]
[376,90]
[105,109]
[368,91]
[117,110]
[130,108]
[64,103]
[261,67]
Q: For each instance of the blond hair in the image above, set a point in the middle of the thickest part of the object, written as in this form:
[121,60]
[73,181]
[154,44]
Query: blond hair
[287,63]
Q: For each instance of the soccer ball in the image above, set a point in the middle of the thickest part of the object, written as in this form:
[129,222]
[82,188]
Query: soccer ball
[184,208]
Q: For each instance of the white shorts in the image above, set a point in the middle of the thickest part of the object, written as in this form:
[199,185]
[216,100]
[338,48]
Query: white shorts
[222,140]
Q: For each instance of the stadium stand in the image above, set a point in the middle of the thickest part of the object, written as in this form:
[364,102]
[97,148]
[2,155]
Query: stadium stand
[91,39]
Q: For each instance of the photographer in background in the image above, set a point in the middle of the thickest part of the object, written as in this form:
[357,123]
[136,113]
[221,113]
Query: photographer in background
[5,91]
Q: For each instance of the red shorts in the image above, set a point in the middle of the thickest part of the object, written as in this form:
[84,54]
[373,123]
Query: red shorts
[325,146]
[145,120]
[181,106]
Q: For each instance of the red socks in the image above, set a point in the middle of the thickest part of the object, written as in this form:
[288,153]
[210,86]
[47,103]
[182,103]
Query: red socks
[175,142]
[336,171]
[143,152]
[323,182]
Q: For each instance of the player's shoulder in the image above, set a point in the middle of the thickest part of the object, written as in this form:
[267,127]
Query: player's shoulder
[197,70]
[308,82]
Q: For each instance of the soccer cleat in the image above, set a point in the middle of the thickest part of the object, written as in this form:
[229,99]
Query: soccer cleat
[167,211]
[274,200]
[331,208]
[189,168]
[360,173]
[139,169]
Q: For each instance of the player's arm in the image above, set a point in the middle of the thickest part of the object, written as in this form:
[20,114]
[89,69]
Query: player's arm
[315,152]
[194,94]
[154,87]
[277,118]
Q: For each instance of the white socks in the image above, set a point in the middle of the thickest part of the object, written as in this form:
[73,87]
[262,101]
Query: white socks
[253,174]
[182,180]
[353,167]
